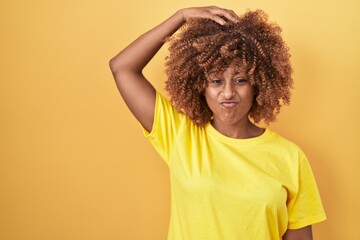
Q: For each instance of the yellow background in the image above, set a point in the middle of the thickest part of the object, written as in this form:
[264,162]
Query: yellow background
[73,161]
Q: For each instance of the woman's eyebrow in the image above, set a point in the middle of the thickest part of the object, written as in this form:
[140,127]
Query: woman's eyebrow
[241,74]
[212,75]
[212,72]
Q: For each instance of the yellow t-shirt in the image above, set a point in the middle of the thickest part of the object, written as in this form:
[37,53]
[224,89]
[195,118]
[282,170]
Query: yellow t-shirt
[232,189]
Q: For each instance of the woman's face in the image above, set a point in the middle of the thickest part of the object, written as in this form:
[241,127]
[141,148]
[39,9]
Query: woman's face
[229,95]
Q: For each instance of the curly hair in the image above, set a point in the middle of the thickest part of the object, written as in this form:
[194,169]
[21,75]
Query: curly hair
[203,44]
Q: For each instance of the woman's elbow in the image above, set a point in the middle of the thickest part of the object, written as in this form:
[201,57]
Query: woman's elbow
[113,65]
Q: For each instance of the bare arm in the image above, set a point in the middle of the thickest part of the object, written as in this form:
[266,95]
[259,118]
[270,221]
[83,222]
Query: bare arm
[304,233]
[127,66]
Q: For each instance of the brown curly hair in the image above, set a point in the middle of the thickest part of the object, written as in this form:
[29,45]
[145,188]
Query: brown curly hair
[203,44]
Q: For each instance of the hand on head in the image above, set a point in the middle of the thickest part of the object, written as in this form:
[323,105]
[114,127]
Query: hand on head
[212,12]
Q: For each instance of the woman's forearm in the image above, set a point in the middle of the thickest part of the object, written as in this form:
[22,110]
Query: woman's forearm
[142,50]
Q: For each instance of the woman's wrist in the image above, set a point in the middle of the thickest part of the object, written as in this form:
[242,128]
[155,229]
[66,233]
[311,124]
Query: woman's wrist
[181,16]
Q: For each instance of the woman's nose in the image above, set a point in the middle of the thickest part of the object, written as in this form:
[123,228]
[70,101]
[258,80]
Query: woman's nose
[228,90]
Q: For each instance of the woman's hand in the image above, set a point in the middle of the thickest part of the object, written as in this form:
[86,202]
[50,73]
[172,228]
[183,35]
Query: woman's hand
[212,12]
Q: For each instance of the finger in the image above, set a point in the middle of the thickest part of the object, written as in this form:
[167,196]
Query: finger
[227,13]
[231,16]
[234,15]
[220,20]
[217,19]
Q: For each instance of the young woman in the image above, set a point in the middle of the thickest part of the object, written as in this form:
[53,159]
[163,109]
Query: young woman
[230,179]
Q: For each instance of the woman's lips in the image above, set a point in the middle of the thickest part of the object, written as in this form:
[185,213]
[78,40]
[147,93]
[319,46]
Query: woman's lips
[228,104]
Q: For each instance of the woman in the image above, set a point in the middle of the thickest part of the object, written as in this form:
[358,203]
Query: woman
[230,179]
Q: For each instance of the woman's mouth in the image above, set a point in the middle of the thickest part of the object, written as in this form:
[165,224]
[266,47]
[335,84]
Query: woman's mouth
[228,104]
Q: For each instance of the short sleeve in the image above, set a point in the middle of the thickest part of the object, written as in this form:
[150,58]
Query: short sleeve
[305,208]
[167,122]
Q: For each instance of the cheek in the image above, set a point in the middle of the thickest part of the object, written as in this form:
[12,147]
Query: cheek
[249,94]
[211,99]
[210,95]
[251,97]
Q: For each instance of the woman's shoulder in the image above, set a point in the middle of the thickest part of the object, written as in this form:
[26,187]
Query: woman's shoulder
[285,143]
[165,111]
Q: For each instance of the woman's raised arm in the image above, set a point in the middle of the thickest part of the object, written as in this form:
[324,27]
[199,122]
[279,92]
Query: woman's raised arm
[127,66]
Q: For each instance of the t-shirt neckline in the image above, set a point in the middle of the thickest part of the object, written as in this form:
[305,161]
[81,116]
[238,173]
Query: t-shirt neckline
[265,136]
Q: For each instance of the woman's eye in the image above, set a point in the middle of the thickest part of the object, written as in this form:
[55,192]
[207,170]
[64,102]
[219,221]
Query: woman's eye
[216,81]
[240,81]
